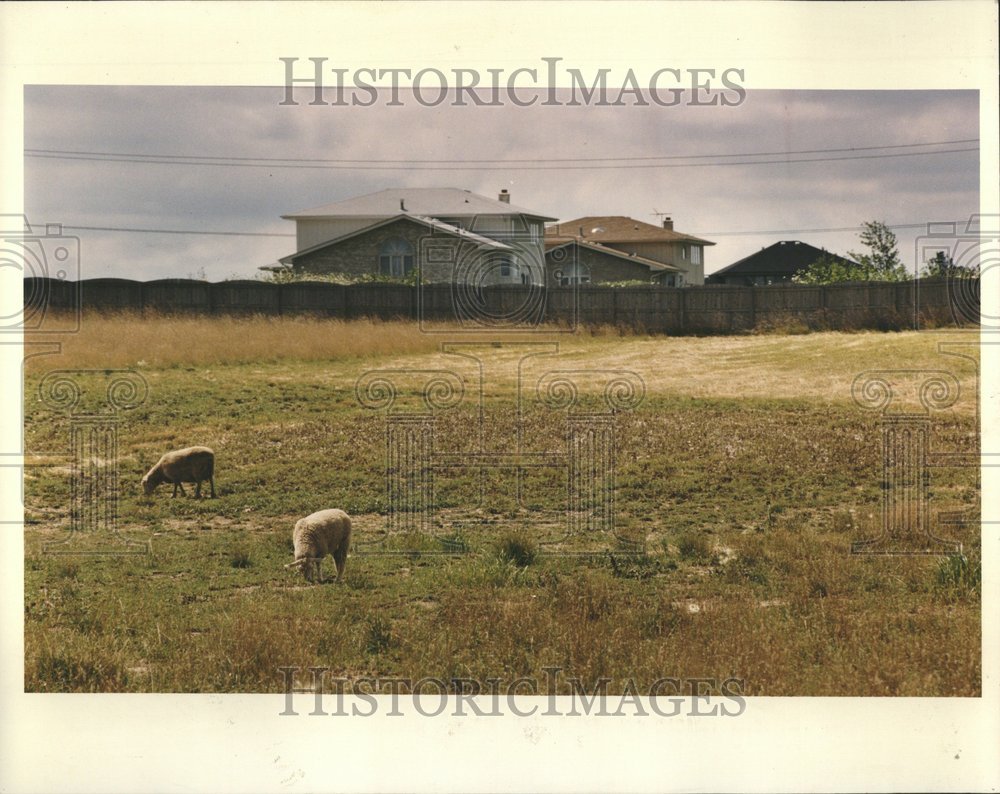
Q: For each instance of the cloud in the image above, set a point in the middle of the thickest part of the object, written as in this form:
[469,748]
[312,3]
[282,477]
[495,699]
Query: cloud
[250,122]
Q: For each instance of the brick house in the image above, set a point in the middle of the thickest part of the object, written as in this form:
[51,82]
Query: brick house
[446,234]
[776,264]
[681,255]
[581,262]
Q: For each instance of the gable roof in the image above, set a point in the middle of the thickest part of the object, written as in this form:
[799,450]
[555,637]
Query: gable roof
[786,257]
[418,201]
[618,229]
[650,263]
[431,223]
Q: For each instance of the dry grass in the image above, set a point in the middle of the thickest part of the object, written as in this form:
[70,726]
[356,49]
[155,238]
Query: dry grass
[811,366]
[747,470]
[128,339]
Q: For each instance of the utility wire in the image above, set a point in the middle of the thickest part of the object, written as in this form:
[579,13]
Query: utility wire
[314,166]
[275,234]
[171,231]
[139,157]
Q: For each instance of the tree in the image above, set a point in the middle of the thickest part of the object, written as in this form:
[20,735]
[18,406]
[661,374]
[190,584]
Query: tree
[882,259]
[943,266]
[831,270]
[880,263]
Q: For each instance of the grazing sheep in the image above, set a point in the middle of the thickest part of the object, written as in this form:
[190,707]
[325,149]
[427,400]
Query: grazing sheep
[192,464]
[315,536]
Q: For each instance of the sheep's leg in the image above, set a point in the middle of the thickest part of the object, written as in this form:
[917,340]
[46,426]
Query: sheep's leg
[180,485]
[211,482]
[340,558]
[319,569]
[197,489]
[175,491]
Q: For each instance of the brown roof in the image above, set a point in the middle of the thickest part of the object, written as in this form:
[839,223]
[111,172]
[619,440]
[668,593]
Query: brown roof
[617,229]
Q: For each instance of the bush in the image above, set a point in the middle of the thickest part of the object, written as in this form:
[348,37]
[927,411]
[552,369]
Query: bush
[517,547]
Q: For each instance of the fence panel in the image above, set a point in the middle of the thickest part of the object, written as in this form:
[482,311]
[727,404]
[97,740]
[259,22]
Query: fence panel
[246,297]
[177,295]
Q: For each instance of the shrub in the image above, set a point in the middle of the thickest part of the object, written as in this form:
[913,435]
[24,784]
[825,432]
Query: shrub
[517,547]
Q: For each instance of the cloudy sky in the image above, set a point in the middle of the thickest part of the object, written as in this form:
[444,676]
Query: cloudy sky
[797,165]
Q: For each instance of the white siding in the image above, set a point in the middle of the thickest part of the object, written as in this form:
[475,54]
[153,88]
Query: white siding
[312,232]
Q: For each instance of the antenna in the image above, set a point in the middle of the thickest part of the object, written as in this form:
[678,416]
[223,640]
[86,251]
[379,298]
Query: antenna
[659,214]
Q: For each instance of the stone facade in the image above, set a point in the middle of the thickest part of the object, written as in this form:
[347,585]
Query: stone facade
[359,255]
[600,267]
[441,257]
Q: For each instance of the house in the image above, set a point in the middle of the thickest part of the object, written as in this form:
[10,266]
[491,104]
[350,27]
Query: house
[581,262]
[444,234]
[682,254]
[772,265]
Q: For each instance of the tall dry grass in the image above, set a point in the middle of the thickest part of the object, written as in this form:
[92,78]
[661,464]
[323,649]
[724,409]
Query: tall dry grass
[129,339]
[818,365]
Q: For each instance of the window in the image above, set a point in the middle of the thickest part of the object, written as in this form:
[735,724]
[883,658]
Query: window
[695,254]
[573,274]
[395,258]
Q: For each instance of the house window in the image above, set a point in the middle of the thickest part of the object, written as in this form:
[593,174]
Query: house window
[684,252]
[695,254]
[395,258]
[573,274]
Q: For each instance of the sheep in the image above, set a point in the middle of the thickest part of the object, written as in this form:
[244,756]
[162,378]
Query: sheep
[192,464]
[315,536]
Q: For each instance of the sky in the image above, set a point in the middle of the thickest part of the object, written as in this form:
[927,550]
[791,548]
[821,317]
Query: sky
[782,165]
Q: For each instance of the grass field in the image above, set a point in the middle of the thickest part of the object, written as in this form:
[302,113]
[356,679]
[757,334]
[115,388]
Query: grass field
[745,474]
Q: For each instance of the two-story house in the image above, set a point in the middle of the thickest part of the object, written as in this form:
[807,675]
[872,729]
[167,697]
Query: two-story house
[444,234]
[655,253]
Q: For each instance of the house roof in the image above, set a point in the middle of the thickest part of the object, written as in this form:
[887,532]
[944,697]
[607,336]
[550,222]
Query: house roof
[431,223]
[659,267]
[418,201]
[618,229]
[786,257]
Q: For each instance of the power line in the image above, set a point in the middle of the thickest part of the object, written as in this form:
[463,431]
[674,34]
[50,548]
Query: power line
[274,234]
[171,231]
[314,166]
[813,231]
[140,157]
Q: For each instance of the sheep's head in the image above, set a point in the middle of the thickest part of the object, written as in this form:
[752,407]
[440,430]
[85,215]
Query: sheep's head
[147,485]
[306,565]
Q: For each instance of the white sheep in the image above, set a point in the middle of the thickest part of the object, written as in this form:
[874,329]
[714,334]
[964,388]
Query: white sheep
[192,464]
[324,532]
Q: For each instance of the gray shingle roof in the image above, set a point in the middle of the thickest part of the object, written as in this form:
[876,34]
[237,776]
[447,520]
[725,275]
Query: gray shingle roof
[447,201]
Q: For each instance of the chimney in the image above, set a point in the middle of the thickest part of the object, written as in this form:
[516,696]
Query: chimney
[504,196]
[668,223]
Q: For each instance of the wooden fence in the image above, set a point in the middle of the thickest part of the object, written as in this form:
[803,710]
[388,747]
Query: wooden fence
[708,309]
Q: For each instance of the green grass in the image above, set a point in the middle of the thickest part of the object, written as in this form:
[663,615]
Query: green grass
[746,508]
